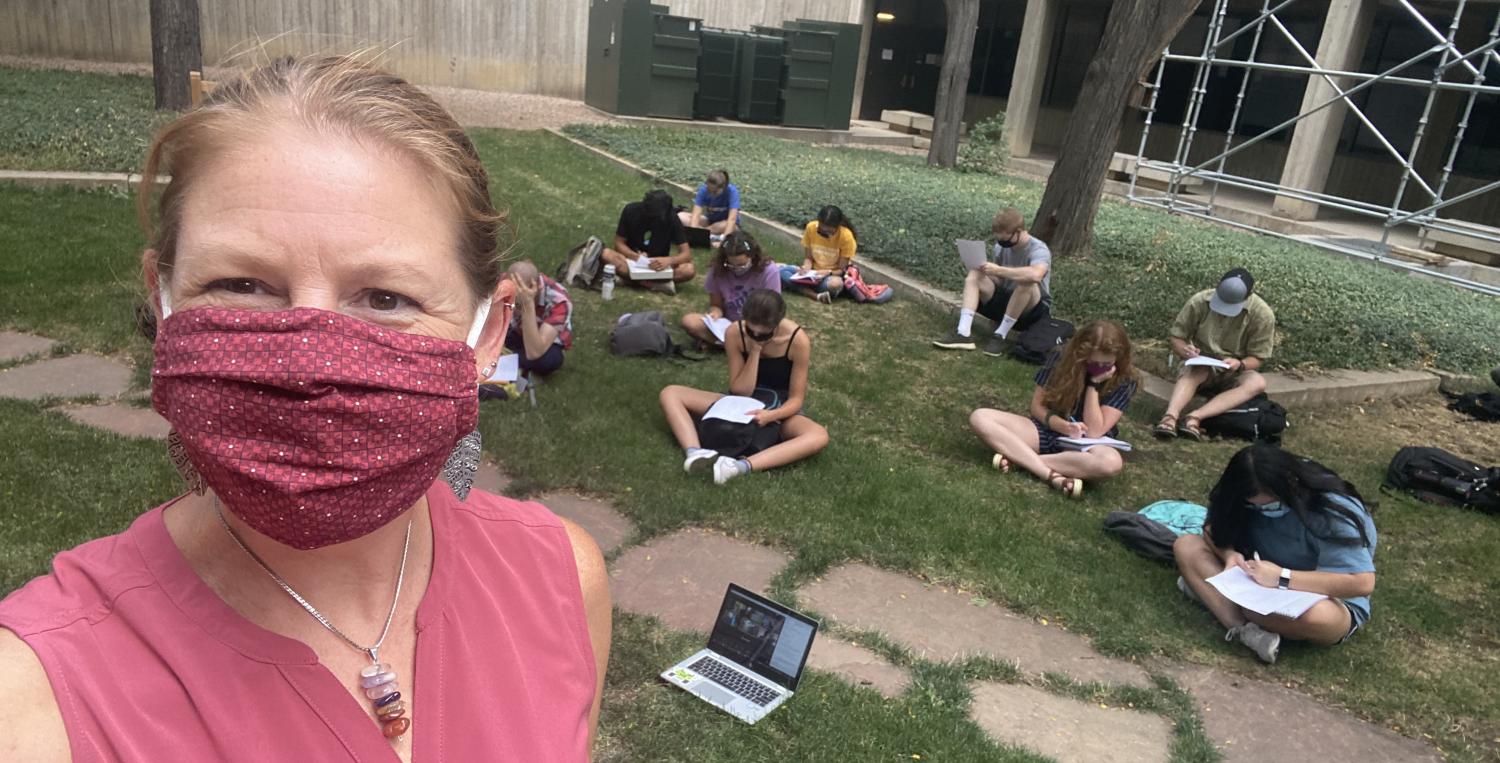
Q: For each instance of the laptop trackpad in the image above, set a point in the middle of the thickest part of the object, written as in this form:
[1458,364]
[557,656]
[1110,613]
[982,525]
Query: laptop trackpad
[714,694]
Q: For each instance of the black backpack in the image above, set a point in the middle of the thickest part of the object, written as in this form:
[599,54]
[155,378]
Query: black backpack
[1043,337]
[1259,419]
[1436,476]
[1484,406]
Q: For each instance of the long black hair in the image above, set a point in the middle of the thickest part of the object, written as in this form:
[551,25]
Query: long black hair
[1301,484]
[834,217]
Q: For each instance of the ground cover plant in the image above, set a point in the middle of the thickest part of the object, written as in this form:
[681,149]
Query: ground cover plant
[1332,313]
[56,120]
[903,486]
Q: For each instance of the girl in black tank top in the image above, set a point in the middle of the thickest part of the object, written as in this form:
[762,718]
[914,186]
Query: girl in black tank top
[768,358]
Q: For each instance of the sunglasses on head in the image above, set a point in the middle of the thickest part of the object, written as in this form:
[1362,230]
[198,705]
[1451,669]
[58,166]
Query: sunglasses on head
[759,337]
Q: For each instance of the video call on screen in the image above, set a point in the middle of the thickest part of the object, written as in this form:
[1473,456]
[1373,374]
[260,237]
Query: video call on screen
[761,638]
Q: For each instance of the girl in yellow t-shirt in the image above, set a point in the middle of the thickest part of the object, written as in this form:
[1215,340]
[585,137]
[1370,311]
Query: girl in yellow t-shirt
[828,243]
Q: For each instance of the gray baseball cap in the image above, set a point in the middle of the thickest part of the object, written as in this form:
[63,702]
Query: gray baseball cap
[1233,292]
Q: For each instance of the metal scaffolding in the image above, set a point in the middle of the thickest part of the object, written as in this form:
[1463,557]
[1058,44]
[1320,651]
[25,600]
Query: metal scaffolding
[1454,70]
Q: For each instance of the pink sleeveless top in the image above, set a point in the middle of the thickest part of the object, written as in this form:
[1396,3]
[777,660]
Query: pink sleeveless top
[149,664]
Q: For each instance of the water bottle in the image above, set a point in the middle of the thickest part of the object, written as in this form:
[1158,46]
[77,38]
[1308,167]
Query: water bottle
[607,289]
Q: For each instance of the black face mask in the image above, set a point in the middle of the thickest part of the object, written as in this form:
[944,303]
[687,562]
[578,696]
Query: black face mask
[1009,243]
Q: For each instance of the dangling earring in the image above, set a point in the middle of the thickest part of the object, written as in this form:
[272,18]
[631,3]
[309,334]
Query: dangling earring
[178,453]
[462,465]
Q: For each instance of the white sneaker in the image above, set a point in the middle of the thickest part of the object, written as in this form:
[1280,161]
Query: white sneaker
[699,460]
[726,469]
[1187,591]
[1264,643]
[663,287]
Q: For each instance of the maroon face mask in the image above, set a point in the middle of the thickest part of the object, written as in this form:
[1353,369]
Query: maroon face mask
[313,427]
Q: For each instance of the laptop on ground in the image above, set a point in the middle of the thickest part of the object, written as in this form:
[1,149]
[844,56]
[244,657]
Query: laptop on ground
[754,658]
[698,238]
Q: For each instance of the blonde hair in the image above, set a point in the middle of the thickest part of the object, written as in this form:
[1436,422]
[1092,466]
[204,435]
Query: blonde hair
[330,94]
[1009,220]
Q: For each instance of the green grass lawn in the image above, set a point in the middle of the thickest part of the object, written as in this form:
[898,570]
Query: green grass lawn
[57,120]
[1331,312]
[904,485]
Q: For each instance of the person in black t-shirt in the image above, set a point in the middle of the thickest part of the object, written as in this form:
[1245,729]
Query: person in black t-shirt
[649,228]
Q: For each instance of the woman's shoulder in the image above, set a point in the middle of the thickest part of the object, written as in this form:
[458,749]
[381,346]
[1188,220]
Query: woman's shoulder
[37,732]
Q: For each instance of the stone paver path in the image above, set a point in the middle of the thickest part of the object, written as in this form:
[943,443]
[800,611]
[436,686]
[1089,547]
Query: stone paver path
[946,625]
[71,376]
[610,528]
[1070,731]
[491,479]
[681,578]
[122,419]
[1253,721]
[857,665]
[14,345]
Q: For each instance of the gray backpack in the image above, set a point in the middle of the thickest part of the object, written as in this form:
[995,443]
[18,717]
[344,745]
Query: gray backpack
[638,334]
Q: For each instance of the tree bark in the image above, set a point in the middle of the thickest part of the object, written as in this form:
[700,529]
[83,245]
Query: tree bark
[953,81]
[175,51]
[1135,34]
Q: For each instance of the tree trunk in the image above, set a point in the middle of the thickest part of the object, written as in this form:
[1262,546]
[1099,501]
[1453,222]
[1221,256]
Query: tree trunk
[1135,34]
[175,51]
[953,81]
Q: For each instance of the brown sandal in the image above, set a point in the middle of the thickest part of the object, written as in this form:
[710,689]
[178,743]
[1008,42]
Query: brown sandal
[1190,427]
[1071,487]
[1166,428]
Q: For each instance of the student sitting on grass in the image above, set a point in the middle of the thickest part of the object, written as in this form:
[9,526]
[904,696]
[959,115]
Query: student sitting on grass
[1014,289]
[716,206]
[648,228]
[541,325]
[768,357]
[1081,392]
[1229,323]
[1288,522]
[737,268]
[828,243]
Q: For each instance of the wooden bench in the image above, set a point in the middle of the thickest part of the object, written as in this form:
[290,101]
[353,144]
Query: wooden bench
[1122,166]
[1466,243]
[199,87]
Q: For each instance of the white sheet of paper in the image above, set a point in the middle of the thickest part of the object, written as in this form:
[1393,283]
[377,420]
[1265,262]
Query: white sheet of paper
[719,327]
[807,277]
[1204,360]
[971,253]
[734,408]
[1084,443]
[1241,589]
[640,270]
[508,369]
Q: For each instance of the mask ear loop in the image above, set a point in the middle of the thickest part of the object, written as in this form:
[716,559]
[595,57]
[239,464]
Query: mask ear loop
[166,301]
[480,316]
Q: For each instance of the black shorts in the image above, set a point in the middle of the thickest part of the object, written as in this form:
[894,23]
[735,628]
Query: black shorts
[994,309]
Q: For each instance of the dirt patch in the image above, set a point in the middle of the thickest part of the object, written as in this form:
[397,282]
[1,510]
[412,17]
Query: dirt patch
[1422,420]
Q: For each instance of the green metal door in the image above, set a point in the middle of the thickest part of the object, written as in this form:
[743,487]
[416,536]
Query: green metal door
[809,67]
[719,62]
[674,67]
[845,66]
[761,65]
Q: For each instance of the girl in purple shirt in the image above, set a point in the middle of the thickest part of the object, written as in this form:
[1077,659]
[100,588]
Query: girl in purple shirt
[737,268]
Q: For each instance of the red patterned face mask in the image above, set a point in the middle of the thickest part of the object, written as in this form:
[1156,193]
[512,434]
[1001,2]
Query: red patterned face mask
[313,427]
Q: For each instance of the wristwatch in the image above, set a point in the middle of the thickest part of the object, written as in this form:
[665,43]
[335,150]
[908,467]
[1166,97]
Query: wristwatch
[1286,579]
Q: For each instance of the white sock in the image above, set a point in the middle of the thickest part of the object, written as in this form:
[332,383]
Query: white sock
[965,322]
[1005,326]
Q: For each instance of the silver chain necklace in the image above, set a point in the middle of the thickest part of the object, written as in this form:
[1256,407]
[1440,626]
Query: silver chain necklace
[377,681]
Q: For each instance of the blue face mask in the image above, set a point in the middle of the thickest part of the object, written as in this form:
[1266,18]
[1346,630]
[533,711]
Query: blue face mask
[1272,510]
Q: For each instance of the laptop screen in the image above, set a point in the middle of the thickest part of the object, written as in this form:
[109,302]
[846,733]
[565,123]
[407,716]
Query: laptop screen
[763,636]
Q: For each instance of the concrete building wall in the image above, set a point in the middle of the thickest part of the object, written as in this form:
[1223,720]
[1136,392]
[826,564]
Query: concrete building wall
[527,46]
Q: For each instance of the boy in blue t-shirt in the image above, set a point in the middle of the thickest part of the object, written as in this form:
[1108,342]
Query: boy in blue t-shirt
[716,206]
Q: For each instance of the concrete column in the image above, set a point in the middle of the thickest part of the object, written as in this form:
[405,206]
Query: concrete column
[1032,55]
[1346,31]
[866,23]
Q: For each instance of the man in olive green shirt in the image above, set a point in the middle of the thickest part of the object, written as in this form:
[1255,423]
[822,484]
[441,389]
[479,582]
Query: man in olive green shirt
[1231,324]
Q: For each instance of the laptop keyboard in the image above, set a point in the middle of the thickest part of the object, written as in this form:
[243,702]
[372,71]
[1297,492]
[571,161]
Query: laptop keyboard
[733,680]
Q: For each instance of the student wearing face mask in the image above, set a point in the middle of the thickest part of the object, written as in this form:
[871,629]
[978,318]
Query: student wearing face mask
[1013,289]
[829,245]
[737,268]
[1288,522]
[768,356]
[1081,392]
